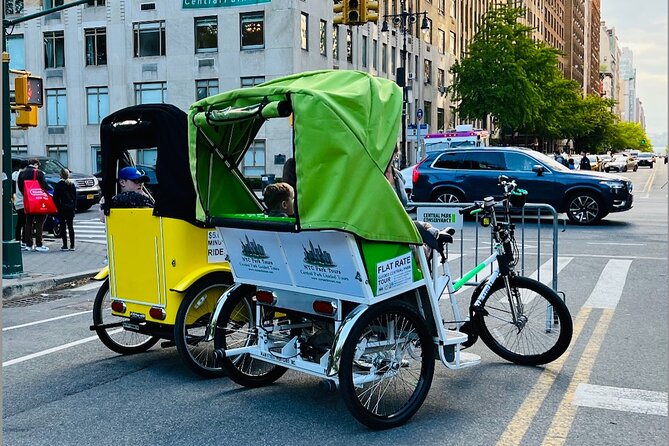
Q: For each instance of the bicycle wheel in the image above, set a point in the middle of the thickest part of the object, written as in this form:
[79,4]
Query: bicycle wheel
[236,328]
[117,338]
[386,365]
[526,340]
[191,324]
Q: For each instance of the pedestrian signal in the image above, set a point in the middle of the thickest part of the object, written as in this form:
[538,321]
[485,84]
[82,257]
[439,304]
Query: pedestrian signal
[29,91]
[27,118]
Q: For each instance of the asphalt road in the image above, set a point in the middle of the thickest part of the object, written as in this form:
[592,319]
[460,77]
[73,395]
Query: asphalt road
[61,386]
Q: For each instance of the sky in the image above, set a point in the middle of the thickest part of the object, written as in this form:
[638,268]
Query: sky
[641,26]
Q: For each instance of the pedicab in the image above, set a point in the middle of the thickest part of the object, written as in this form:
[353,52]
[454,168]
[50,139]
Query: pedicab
[344,290]
[165,272]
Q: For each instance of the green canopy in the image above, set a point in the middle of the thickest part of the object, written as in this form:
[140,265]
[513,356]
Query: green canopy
[346,125]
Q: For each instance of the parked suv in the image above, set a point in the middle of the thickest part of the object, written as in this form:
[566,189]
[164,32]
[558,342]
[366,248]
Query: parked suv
[467,175]
[88,189]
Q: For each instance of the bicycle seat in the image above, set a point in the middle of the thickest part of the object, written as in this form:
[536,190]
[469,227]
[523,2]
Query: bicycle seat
[445,236]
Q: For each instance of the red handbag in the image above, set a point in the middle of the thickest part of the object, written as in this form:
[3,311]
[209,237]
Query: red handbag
[35,199]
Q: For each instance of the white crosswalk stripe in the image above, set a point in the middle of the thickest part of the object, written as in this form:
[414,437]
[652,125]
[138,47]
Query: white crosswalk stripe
[90,230]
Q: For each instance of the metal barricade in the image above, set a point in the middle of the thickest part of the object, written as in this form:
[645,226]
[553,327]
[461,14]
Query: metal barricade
[442,215]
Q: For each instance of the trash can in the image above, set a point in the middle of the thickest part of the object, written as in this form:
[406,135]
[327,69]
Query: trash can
[267,179]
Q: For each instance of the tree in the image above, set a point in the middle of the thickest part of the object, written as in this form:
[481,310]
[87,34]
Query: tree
[628,136]
[504,74]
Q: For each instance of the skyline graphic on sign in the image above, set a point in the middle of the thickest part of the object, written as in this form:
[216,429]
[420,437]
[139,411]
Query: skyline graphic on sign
[317,256]
[253,249]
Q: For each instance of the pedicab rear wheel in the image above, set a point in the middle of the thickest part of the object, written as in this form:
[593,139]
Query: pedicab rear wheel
[117,338]
[191,324]
[236,328]
[387,365]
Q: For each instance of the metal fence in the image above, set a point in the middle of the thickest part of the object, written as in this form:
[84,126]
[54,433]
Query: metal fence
[535,223]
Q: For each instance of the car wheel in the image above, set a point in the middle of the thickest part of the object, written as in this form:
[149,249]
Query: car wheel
[624,169]
[585,208]
[651,165]
[607,170]
[635,168]
[447,196]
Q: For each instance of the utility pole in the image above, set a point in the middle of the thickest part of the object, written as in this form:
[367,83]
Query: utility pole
[12,260]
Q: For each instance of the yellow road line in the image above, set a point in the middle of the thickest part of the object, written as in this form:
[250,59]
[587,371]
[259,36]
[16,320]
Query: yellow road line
[516,429]
[564,417]
[649,183]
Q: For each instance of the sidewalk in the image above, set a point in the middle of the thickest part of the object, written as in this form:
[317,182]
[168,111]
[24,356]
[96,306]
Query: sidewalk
[43,271]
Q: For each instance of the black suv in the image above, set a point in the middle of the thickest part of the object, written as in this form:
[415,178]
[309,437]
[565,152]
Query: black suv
[88,189]
[467,175]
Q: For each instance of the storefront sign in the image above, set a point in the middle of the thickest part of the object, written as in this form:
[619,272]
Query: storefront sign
[193,4]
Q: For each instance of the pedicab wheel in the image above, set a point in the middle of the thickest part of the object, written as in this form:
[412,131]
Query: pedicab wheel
[117,338]
[386,365]
[191,324]
[235,329]
[525,339]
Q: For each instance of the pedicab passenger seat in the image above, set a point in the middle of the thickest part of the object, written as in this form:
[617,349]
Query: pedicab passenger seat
[256,221]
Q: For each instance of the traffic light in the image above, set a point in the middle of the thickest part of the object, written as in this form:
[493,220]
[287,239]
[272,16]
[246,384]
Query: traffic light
[28,91]
[27,118]
[370,10]
[340,9]
[354,12]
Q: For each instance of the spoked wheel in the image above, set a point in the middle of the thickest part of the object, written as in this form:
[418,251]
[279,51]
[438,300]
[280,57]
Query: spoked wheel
[386,365]
[585,209]
[542,327]
[447,196]
[191,323]
[117,338]
[236,328]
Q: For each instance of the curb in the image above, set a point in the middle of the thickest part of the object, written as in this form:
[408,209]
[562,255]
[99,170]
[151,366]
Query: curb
[28,287]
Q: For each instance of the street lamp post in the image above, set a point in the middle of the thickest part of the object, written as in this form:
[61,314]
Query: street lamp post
[402,20]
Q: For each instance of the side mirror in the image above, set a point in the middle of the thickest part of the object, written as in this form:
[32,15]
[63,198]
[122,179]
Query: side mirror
[538,169]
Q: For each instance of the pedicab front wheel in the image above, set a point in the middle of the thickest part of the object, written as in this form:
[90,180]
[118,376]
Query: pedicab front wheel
[116,338]
[191,324]
[387,365]
[236,327]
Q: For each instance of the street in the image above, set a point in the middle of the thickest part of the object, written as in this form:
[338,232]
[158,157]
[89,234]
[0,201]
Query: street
[62,386]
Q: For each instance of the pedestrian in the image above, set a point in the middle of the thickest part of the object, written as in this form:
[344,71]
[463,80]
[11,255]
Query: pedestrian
[18,205]
[570,164]
[395,178]
[34,222]
[585,162]
[131,181]
[289,175]
[65,197]
[559,158]
[280,200]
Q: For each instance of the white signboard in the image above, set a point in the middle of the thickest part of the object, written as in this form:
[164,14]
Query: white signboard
[393,273]
[215,248]
[440,217]
[256,255]
[323,261]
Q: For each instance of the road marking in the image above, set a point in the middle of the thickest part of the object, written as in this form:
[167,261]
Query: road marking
[605,256]
[609,286]
[517,427]
[54,349]
[546,270]
[616,244]
[44,321]
[564,417]
[616,398]
[649,184]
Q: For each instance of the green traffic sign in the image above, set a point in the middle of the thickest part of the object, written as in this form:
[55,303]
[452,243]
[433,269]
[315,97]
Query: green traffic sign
[193,4]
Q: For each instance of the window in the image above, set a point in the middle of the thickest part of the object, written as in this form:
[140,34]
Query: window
[519,162]
[96,46]
[441,119]
[441,6]
[149,38]
[427,71]
[441,78]
[322,38]
[95,3]
[335,43]
[349,44]
[364,51]
[393,60]
[96,157]
[54,49]
[449,160]
[17,52]
[254,159]
[13,7]
[427,34]
[453,8]
[375,54]
[252,81]
[57,152]
[205,88]
[252,27]
[48,4]
[304,31]
[19,150]
[97,99]
[206,34]
[452,42]
[150,93]
[384,57]
[483,161]
[56,107]
[428,112]
[441,44]
[147,156]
